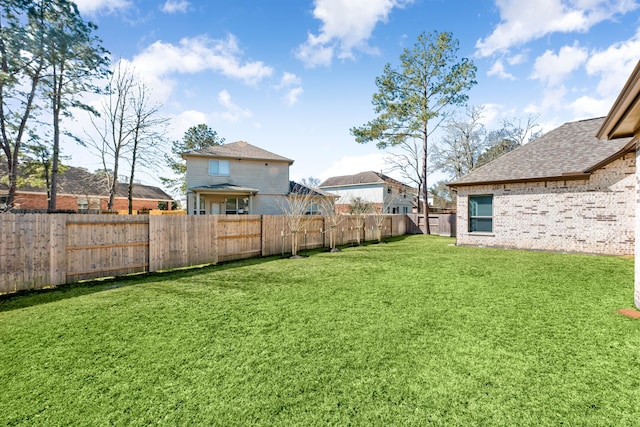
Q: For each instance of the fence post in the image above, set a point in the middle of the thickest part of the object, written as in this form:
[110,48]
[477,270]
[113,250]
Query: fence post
[58,252]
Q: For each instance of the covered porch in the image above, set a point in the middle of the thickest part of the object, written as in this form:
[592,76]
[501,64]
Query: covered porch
[221,199]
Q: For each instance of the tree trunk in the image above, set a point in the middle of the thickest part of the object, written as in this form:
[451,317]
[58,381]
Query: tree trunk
[425,191]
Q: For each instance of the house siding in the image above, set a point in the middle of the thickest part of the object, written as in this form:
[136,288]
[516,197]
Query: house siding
[596,215]
[269,177]
[374,193]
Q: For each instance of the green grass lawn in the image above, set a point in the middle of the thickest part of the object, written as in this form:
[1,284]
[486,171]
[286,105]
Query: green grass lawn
[411,332]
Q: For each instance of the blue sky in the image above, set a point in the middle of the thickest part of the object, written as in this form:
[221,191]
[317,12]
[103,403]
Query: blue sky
[293,76]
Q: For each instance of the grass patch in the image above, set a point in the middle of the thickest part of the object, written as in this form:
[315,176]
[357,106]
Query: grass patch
[407,333]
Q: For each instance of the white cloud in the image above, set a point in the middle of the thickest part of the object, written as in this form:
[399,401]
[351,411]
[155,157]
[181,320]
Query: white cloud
[175,6]
[588,106]
[553,68]
[523,21]
[288,80]
[184,120]
[293,85]
[194,55]
[498,70]
[233,113]
[291,98]
[614,65]
[346,26]
[92,7]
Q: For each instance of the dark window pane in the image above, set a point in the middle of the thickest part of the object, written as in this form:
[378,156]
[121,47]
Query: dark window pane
[481,225]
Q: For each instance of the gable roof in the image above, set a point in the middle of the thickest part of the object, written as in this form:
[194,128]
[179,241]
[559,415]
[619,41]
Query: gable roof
[81,182]
[571,151]
[237,150]
[362,178]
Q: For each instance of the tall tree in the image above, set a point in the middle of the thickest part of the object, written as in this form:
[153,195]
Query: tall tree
[463,142]
[74,58]
[414,99]
[22,62]
[195,138]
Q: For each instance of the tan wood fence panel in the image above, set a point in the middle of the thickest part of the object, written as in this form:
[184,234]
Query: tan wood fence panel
[106,245]
[278,241]
[182,241]
[239,236]
[24,252]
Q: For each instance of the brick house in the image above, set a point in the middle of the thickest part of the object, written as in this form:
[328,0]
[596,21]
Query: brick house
[81,190]
[566,191]
[377,188]
[623,121]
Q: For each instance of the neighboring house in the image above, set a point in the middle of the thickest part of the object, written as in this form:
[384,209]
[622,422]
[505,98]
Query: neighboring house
[565,191]
[382,191]
[236,178]
[81,190]
[623,121]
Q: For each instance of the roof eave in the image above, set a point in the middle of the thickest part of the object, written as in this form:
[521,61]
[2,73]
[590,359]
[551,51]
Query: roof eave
[568,176]
[229,157]
[623,119]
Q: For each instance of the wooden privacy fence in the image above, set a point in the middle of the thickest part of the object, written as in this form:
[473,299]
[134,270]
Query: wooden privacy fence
[440,224]
[41,250]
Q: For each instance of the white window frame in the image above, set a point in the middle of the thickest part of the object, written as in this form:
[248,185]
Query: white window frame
[219,167]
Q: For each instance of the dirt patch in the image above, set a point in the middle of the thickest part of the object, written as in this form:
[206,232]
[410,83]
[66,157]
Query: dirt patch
[630,312]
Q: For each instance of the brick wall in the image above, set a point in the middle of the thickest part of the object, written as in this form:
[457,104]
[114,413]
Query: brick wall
[70,202]
[588,216]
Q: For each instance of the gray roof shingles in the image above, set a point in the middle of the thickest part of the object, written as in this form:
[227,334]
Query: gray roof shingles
[368,177]
[569,149]
[237,150]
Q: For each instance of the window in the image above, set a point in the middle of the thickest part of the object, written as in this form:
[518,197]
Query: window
[83,204]
[481,214]
[219,167]
[237,205]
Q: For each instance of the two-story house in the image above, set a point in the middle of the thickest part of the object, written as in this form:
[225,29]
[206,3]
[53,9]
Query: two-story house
[385,193]
[236,178]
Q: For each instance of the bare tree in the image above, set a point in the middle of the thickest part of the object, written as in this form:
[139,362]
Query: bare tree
[512,134]
[408,162]
[359,208]
[331,218]
[310,182]
[129,124]
[148,131]
[462,144]
[295,208]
